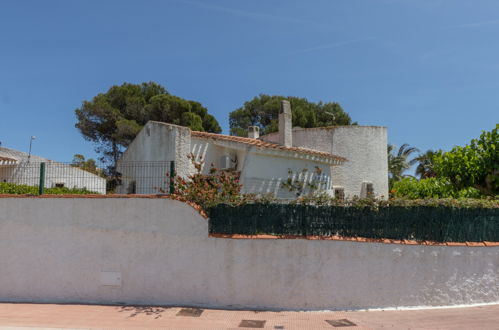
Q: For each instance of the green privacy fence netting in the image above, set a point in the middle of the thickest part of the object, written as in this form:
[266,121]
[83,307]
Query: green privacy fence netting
[440,224]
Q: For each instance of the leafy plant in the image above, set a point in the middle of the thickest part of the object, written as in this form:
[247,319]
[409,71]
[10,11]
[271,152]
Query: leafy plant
[398,162]
[19,189]
[300,184]
[475,165]
[425,168]
[430,188]
[217,187]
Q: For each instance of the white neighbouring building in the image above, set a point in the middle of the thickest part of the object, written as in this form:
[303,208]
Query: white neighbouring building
[21,168]
[343,160]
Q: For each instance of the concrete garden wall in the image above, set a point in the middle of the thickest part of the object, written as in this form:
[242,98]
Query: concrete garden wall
[157,251]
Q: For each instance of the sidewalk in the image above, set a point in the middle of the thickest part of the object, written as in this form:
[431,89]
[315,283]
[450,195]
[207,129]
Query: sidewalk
[51,316]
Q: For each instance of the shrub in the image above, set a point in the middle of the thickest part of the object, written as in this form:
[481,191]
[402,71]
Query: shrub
[206,190]
[431,188]
[475,165]
[20,189]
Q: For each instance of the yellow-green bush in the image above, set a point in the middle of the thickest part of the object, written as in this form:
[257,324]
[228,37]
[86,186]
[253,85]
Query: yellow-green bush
[20,189]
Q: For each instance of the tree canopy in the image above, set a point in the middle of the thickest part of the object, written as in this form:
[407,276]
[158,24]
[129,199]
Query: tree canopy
[111,120]
[89,165]
[399,162]
[470,171]
[425,168]
[474,165]
[263,111]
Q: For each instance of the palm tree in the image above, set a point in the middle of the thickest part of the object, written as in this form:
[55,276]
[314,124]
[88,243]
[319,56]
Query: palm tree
[425,167]
[398,163]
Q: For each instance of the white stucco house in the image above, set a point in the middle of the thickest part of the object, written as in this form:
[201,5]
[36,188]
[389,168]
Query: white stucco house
[345,161]
[20,168]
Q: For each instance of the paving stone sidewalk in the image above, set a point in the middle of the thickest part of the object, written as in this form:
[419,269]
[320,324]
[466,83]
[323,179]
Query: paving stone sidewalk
[53,316]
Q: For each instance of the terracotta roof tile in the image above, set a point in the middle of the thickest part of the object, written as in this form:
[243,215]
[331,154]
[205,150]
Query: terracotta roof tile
[7,159]
[264,144]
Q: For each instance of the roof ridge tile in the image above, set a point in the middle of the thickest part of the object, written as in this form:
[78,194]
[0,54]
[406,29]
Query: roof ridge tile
[265,144]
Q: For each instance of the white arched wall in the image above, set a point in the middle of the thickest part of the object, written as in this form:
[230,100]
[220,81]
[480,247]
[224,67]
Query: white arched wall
[157,251]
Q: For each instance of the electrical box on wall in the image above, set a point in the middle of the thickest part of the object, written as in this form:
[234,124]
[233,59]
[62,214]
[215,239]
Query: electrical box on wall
[110,278]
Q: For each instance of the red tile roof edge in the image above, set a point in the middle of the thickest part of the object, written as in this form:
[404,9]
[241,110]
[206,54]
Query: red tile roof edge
[265,144]
[198,208]
[357,239]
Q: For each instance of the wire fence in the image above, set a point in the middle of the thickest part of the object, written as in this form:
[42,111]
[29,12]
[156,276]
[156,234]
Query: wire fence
[57,177]
[440,224]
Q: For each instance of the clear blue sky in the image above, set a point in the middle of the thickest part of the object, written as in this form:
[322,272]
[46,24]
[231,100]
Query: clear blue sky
[428,70]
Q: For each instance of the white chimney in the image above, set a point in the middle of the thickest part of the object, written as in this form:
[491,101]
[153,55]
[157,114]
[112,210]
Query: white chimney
[285,124]
[253,132]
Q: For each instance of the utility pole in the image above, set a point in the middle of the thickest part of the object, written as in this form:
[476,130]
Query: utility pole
[30,144]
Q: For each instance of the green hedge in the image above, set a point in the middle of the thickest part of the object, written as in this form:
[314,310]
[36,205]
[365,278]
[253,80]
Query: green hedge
[433,223]
[19,189]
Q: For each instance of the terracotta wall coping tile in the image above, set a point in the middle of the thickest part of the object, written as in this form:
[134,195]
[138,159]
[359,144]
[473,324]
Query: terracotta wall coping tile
[356,239]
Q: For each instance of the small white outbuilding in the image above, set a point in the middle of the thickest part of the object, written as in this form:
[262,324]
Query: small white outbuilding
[21,168]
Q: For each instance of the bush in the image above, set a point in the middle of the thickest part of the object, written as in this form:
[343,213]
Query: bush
[474,165]
[21,189]
[430,188]
[207,190]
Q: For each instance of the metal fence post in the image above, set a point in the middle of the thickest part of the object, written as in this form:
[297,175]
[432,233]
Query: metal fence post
[172,177]
[42,179]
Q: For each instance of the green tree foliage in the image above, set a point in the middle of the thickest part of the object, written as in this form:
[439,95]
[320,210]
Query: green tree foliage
[430,188]
[474,165]
[425,168]
[88,165]
[263,111]
[111,120]
[399,162]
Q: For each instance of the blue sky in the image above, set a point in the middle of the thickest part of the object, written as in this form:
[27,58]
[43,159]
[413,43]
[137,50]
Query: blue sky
[428,70]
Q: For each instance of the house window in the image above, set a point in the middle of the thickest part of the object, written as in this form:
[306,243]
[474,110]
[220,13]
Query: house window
[370,190]
[367,190]
[225,162]
[228,162]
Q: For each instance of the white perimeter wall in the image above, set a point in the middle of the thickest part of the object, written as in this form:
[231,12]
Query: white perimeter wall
[157,251]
